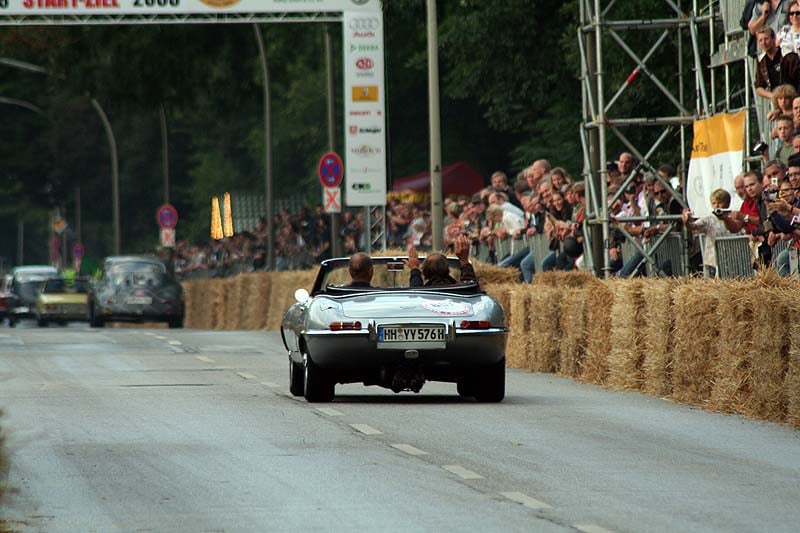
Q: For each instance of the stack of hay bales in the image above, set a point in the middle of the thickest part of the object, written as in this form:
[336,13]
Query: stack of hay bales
[4,464]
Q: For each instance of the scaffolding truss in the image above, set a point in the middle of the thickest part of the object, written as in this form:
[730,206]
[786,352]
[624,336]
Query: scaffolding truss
[695,32]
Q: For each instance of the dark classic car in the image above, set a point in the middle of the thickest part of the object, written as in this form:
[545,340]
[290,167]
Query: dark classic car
[135,289]
[393,335]
[25,283]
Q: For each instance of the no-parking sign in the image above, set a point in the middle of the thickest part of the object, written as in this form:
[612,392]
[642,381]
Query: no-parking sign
[331,170]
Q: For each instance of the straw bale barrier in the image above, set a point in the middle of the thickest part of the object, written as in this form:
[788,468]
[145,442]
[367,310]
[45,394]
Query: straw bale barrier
[4,464]
[730,346]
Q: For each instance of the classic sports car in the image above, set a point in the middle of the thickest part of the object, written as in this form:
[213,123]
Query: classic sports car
[25,284]
[62,300]
[393,335]
[134,288]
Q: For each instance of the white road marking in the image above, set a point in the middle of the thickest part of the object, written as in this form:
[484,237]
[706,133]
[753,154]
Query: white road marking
[591,528]
[462,472]
[270,384]
[366,430]
[149,333]
[161,337]
[525,500]
[410,450]
[329,411]
[204,359]
[245,375]
[175,343]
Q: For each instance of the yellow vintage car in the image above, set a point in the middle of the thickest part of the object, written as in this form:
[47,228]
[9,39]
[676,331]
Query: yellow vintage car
[62,300]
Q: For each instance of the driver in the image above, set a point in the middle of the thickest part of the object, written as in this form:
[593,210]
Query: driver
[436,269]
[360,270]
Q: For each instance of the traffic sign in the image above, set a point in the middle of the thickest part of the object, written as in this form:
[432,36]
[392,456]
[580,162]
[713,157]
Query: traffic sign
[332,199]
[59,225]
[167,216]
[331,170]
[168,237]
[77,251]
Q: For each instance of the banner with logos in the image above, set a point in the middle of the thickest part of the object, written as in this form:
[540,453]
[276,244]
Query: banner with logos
[364,109]
[174,7]
[717,157]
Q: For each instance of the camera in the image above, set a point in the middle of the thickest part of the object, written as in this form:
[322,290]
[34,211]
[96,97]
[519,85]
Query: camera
[718,212]
[758,148]
[770,195]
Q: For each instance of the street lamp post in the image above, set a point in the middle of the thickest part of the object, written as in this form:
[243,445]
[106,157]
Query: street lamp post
[437,217]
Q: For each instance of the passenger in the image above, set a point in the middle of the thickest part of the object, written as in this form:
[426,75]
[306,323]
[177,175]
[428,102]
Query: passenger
[436,269]
[360,270]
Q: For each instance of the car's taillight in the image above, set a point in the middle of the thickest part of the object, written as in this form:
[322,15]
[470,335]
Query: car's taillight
[345,326]
[475,324]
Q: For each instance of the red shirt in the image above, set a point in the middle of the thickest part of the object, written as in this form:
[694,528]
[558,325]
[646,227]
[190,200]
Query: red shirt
[750,207]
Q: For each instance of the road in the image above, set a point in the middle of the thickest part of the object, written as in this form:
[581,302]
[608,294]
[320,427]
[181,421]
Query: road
[183,430]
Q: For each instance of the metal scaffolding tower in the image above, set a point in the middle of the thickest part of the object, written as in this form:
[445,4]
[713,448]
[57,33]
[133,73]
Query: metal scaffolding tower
[656,108]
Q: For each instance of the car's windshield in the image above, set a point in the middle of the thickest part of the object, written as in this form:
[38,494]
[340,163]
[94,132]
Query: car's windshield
[68,286]
[132,273]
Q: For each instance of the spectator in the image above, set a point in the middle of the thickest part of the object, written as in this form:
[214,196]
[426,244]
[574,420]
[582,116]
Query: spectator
[751,216]
[559,179]
[741,193]
[782,98]
[626,165]
[774,174]
[712,226]
[785,131]
[500,184]
[768,70]
[499,198]
[788,36]
[501,224]
[557,229]
[772,13]
[787,207]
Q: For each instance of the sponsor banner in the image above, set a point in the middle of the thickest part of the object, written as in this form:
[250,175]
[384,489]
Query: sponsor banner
[717,156]
[185,7]
[365,102]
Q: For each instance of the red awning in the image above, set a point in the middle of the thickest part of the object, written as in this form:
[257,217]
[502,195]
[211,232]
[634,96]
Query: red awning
[457,178]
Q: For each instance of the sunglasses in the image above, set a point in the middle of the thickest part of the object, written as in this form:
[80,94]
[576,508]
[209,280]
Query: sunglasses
[793,13]
[657,193]
[630,190]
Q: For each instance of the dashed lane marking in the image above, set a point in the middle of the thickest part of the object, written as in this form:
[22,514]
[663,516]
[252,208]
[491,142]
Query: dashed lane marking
[462,472]
[410,450]
[245,375]
[366,430]
[270,384]
[591,528]
[329,411]
[161,337]
[525,500]
[204,359]
[175,343]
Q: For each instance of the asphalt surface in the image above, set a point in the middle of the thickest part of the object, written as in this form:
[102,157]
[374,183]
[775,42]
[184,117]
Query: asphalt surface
[184,430]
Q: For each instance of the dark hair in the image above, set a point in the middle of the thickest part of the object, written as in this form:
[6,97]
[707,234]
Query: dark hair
[435,266]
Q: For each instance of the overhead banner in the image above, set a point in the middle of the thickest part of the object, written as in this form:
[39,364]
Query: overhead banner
[174,7]
[717,156]
[364,109]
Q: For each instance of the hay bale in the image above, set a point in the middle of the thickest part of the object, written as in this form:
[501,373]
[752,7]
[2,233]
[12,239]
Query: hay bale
[773,308]
[792,381]
[502,293]
[598,331]
[543,328]
[518,345]
[254,304]
[233,302]
[572,323]
[488,274]
[695,340]
[656,335]
[626,356]
[284,285]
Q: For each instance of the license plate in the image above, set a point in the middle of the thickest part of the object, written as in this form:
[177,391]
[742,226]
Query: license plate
[405,337]
[139,300]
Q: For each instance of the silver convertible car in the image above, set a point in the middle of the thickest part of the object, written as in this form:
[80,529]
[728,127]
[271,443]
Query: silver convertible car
[393,335]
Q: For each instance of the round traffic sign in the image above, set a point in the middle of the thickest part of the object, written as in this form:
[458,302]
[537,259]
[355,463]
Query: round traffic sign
[167,216]
[331,170]
[77,250]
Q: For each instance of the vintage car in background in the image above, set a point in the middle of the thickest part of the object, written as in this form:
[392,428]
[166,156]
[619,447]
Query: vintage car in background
[5,296]
[134,288]
[24,287]
[393,335]
[62,300]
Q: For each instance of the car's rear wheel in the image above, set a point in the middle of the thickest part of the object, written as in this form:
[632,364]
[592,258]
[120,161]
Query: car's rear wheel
[296,378]
[317,387]
[466,387]
[490,385]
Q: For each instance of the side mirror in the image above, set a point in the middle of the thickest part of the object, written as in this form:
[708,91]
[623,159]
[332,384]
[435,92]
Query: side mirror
[301,295]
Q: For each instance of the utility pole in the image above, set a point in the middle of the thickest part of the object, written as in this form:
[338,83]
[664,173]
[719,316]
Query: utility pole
[437,217]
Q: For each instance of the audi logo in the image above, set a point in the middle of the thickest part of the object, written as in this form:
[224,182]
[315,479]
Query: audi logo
[364,63]
[364,24]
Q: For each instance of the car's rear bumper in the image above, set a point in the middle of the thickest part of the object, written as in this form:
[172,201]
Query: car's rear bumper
[357,350]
